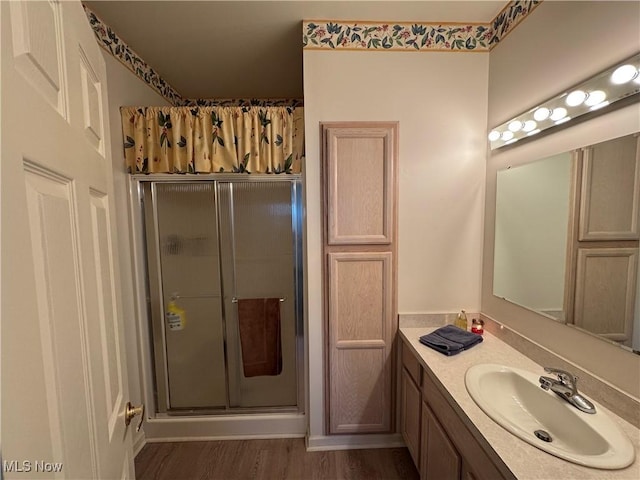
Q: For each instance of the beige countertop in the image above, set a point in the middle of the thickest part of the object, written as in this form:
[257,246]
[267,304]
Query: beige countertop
[523,459]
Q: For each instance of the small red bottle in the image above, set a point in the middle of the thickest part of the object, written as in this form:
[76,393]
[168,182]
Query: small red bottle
[477,326]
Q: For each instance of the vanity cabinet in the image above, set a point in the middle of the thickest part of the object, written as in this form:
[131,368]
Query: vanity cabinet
[448,445]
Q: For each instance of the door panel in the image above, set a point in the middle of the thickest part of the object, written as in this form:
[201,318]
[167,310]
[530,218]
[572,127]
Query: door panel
[258,241]
[360,179]
[109,333]
[605,307]
[442,460]
[38,49]
[360,300]
[610,190]
[61,320]
[190,267]
[410,400]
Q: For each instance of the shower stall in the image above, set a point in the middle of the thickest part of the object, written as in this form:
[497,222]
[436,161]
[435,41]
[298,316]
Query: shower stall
[212,243]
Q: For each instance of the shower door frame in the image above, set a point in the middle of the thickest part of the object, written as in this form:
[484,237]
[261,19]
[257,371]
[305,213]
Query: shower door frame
[156,384]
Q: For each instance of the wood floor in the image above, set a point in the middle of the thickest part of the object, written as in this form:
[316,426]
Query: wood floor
[268,459]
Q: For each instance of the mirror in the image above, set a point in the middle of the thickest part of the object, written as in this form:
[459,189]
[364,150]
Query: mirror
[566,238]
[532,218]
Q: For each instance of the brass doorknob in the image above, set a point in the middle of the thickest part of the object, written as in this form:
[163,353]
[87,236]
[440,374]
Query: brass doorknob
[130,412]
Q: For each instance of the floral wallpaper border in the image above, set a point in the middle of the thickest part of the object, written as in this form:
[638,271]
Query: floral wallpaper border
[244,102]
[112,43]
[509,17]
[336,35]
[408,36]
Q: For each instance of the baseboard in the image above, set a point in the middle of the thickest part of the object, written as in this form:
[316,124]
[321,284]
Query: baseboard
[353,442]
[139,441]
[215,438]
[237,427]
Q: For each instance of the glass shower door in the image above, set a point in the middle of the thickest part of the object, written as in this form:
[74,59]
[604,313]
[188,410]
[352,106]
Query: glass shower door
[214,247]
[189,264]
[257,229]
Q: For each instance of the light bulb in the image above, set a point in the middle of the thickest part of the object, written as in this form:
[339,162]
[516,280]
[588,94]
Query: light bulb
[494,135]
[624,74]
[515,125]
[507,135]
[595,97]
[575,98]
[541,114]
[558,113]
[529,125]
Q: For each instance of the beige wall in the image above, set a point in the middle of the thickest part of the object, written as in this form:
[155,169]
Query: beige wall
[124,88]
[558,45]
[440,100]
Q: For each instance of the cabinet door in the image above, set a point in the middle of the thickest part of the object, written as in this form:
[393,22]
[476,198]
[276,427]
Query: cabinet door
[360,341]
[410,415]
[440,459]
[605,291]
[359,171]
[610,191]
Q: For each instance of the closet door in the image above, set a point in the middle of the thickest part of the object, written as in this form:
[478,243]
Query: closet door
[359,170]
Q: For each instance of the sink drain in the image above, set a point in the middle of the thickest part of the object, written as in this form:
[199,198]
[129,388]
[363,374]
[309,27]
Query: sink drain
[542,435]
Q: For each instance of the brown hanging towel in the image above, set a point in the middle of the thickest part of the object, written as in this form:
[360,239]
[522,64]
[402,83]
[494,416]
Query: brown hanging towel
[259,322]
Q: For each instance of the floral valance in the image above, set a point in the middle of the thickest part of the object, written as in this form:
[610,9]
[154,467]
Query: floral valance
[213,139]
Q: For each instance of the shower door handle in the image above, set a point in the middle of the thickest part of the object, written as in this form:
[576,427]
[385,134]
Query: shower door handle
[131,411]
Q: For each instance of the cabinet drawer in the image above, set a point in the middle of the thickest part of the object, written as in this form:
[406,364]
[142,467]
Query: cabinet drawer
[479,462]
[410,362]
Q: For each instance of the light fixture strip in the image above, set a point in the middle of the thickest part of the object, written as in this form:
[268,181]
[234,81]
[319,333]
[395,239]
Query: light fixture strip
[615,83]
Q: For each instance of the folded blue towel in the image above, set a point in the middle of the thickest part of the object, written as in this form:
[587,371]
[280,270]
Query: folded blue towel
[450,340]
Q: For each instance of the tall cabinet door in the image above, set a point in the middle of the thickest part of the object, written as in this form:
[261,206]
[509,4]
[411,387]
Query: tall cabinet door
[359,175]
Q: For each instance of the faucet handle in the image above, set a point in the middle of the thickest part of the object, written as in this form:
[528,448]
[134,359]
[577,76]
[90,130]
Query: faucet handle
[565,377]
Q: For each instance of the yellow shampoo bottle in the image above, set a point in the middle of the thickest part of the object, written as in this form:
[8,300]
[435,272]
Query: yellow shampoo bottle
[176,317]
[461,320]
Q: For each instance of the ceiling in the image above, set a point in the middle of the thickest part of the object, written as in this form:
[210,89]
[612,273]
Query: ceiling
[252,49]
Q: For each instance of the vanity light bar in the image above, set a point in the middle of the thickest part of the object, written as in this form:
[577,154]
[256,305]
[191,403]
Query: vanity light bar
[617,82]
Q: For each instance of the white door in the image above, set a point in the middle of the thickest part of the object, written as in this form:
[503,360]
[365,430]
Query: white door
[64,385]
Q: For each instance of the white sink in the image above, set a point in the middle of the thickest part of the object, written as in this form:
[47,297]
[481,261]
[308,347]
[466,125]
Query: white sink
[513,398]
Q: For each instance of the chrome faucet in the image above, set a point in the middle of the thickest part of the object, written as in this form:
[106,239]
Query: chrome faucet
[565,386]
